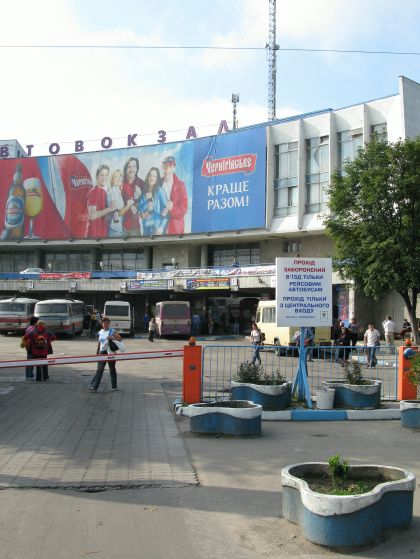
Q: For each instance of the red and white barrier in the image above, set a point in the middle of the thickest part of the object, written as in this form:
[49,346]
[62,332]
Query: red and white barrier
[93,358]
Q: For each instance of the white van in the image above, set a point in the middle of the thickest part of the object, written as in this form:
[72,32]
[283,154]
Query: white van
[121,315]
[283,335]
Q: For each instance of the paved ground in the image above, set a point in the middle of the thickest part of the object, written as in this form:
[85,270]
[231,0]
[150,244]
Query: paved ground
[118,475]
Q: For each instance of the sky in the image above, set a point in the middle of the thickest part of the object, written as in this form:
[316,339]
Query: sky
[66,94]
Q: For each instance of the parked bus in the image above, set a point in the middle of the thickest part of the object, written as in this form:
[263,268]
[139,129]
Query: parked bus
[121,315]
[173,318]
[62,316]
[15,314]
[283,335]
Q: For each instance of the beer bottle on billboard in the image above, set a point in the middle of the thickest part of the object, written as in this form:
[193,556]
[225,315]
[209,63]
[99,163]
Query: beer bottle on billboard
[14,218]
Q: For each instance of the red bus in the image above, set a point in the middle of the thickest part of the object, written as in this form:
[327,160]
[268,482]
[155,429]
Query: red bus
[173,318]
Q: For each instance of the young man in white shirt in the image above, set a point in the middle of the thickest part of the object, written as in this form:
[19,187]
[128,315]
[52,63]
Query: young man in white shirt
[372,342]
[389,329]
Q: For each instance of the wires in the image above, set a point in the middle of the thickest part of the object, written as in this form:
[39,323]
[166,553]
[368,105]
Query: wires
[201,47]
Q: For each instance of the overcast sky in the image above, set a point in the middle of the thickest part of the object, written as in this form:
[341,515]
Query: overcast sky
[62,95]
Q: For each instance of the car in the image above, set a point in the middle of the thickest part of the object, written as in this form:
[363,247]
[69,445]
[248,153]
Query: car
[32,271]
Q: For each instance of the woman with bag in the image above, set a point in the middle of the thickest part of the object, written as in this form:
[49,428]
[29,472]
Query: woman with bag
[38,345]
[106,345]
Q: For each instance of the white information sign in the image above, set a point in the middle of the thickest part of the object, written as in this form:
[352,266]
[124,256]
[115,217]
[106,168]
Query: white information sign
[304,291]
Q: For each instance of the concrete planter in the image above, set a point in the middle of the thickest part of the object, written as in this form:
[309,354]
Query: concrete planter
[229,417]
[350,520]
[410,413]
[361,396]
[270,397]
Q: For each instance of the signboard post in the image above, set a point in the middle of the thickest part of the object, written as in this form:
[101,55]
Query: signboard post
[304,300]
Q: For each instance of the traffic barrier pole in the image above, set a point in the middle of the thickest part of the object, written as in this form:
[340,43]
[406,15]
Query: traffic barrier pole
[406,390]
[191,375]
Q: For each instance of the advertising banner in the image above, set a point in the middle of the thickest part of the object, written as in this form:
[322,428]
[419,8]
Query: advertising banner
[211,184]
[304,292]
[229,182]
[196,283]
[148,284]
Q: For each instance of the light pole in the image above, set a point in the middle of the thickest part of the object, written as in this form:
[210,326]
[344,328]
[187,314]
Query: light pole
[235,99]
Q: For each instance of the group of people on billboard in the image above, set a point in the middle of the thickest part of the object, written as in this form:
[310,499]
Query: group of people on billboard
[123,204]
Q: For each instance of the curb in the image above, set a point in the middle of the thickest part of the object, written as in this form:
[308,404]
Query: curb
[313,415]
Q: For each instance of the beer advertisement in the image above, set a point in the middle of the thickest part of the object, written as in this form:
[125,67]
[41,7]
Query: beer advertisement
[195,186]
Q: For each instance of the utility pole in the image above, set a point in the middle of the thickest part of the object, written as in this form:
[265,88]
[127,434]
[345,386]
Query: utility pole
[235,99]
[272,47]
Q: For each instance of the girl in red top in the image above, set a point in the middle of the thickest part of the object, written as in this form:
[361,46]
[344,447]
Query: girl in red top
[39,346]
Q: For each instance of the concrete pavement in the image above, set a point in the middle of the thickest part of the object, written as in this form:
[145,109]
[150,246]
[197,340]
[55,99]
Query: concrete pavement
[118,475]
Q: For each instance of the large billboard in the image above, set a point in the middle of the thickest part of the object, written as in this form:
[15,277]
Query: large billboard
[197,186]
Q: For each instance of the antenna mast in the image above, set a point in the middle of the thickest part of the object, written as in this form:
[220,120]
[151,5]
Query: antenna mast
[272,48]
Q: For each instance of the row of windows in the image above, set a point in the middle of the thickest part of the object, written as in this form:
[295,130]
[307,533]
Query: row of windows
[317,171]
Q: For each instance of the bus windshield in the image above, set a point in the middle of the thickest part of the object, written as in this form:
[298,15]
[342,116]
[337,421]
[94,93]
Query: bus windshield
[176,311]
[12,307]
[117,310]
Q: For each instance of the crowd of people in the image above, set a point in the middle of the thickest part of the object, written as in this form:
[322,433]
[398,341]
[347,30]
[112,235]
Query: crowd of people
[123,204]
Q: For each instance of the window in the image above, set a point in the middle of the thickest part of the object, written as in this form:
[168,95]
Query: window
[317,173]
[286,179]
[244,254]
[118,260]
[349,142]
[291,246]
[69,261]
[268,315]
[379,131]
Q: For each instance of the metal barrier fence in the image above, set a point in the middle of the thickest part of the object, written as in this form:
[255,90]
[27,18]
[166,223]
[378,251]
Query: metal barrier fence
[220,364]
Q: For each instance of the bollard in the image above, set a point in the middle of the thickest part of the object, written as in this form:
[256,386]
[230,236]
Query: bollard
[191,375]
[406,390]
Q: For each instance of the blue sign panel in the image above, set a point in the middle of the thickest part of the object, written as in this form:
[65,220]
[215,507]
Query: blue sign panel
[229,181]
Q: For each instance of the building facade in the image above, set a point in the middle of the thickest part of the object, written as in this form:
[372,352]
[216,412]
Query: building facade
[222,262]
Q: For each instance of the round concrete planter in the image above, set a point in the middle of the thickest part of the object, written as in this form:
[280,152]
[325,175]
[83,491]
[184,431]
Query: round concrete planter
[410,413]
[361,396]
[270,397]
[350,520]
[229,417]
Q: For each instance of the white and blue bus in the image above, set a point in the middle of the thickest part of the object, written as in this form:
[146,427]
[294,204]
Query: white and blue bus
[62,316]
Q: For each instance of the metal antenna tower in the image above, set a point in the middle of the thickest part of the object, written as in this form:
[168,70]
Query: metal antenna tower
[272,47]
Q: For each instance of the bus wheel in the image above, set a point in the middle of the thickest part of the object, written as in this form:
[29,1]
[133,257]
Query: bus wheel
[277,346]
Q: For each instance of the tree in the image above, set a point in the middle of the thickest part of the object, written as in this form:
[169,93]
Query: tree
[374,221]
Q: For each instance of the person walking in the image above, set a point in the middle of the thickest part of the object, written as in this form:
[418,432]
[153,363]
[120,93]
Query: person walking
[196,324]
[372,341]
[106,336]
[344,341]
[152,329]
[389,330]
[146,320]
[353,331]
[95,319]
[39,345]
[29,370]
[256,342]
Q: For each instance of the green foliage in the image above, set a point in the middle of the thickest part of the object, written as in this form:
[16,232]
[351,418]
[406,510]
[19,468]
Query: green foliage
[255,374]
[354,374]
[375,220]
[339,471]
[413,373]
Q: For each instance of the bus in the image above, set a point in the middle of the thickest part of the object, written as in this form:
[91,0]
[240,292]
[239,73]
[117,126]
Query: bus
[62,316]
[173,318]
[15,314]
[121,315]
[283,335]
